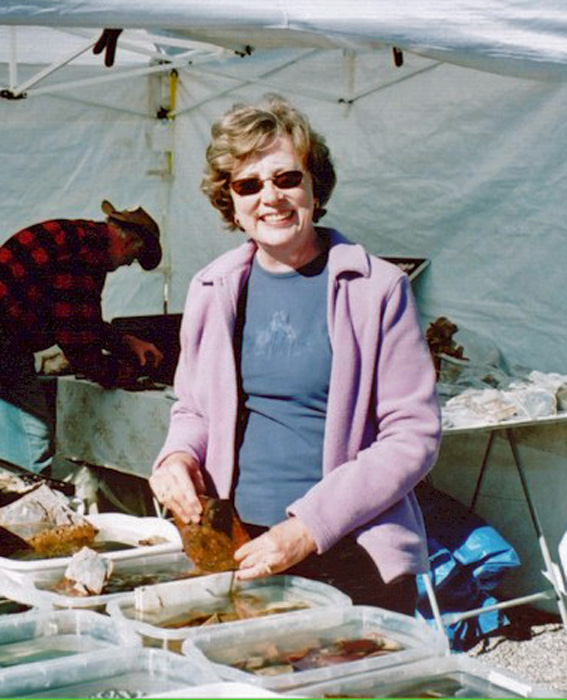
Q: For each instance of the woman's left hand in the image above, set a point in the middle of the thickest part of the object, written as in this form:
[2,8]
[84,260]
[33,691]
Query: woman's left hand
[282,546]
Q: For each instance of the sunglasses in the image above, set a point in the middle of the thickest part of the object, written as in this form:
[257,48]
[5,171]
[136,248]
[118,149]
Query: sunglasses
[252,185]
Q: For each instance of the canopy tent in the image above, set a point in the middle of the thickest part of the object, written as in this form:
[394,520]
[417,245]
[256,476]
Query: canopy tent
[455,155]
[488,34]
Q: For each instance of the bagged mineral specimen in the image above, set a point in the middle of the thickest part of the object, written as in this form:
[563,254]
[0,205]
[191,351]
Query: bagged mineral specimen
[12,544]
[86,574]
[44,520]
[63,540]
[316,654]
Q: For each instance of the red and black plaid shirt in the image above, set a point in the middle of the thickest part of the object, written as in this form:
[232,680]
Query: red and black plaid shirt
[51,280]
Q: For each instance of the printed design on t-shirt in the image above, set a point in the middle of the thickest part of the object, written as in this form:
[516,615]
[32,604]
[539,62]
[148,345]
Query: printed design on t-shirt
[279,338]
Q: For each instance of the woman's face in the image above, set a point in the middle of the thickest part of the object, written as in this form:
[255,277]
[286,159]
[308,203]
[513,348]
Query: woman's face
[278,219]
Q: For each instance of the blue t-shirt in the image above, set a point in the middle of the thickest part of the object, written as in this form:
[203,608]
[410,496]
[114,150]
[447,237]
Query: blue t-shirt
[285,370]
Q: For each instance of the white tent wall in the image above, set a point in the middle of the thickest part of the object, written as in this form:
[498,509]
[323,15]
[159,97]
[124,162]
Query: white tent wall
[454,164]
[457,156]
[457,165]
[63,154]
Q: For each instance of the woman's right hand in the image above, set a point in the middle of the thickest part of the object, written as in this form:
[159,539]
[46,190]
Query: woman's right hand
[177,483]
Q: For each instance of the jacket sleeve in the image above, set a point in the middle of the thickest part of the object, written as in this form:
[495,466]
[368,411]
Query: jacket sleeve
[398,430]
[188,426]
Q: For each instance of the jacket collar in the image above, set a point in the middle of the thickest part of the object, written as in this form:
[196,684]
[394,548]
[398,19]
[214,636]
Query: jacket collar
[344,257]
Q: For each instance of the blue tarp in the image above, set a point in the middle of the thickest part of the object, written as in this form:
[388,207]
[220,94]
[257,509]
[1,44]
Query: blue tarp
[468,560]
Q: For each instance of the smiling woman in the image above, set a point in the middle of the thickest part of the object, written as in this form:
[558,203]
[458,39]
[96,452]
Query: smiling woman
[329,418]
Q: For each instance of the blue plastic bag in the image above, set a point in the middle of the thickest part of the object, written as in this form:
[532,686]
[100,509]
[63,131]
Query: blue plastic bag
[468,559]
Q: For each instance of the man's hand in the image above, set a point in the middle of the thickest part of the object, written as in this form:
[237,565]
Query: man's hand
[282,546]
[176,483]
[146,352]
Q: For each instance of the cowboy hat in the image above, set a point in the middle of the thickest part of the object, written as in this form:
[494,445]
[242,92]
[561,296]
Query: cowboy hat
[144,226]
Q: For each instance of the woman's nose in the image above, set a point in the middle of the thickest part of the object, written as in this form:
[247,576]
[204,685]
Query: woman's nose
[270,192]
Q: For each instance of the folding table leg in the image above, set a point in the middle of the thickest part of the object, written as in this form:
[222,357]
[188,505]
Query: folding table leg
[551,571]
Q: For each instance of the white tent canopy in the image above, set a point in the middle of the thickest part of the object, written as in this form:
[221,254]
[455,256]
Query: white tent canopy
[491,34]
[457,155]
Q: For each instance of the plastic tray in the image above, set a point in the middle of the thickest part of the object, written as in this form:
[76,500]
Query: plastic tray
[135,672]
[222,689]
[36,638]
[113,527]
[224,645]
[457,676]
[33,588]
[149,606]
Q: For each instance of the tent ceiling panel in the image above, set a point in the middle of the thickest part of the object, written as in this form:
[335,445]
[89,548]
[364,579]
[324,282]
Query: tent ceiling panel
[521,37]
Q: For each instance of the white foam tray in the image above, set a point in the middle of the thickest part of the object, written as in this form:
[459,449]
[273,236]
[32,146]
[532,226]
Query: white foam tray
[113,527]
[30,588]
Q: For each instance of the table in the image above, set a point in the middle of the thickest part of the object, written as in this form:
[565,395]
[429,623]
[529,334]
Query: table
[508,430]
[115,428]
[124,430]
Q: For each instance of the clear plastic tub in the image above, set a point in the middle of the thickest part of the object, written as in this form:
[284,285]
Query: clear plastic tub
[133,673]
[154,610]
[37,637]
[222,689]
[264,641]
[457,676]
[36,588]
[130,530]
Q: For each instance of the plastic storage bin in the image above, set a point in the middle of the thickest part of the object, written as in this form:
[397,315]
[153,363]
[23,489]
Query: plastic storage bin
[35,588]
[225,646]
[113,527]
[222,689]
[151,608]
[132,673]
[457,676]
[34,637]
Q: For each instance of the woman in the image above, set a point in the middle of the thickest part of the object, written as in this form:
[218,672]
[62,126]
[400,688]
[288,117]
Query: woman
[306,392]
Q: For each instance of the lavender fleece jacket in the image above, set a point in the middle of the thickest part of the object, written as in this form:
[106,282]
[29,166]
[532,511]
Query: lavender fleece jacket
[383,420]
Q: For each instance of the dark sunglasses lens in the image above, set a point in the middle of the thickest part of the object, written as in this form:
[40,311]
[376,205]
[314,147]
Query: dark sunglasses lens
[251,185]
[289,179]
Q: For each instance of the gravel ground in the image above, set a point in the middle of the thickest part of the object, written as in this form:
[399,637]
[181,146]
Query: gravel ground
[533,646]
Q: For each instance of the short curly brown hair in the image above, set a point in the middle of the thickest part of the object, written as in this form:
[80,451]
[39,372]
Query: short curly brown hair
[245,129]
